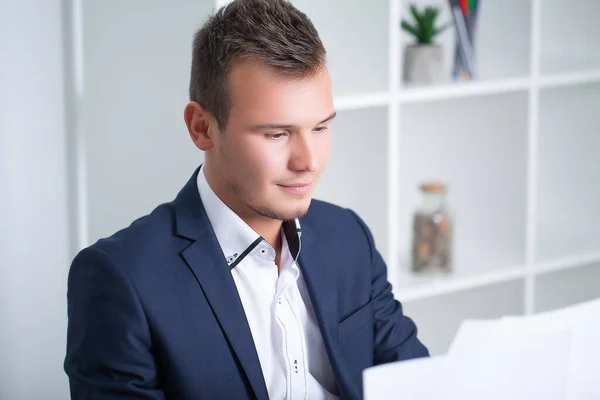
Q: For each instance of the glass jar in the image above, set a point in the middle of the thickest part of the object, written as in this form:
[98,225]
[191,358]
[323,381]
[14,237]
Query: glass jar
[432,231]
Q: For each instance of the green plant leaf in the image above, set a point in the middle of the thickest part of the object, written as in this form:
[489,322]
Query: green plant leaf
[412,30]
[416,15]
[429,18]
[424,29]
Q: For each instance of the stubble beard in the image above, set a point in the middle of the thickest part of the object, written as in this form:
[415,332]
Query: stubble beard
[266,211]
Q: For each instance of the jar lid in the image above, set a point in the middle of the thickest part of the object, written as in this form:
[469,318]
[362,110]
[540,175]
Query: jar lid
[433,187]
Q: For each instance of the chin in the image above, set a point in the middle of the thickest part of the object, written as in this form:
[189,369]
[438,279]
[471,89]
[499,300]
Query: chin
[284,214]
[291,214]
[301,208]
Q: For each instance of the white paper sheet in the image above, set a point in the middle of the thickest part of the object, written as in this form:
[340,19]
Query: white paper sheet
[420,379]
[493,360]
[583,378]
[553,356]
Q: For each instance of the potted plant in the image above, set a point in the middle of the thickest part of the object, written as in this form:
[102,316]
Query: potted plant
[423,60]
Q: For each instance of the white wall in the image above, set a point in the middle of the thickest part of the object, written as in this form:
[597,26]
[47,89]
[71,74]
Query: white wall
[34,241]
[136,70]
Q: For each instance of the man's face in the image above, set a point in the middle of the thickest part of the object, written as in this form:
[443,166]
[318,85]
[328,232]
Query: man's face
[276,142]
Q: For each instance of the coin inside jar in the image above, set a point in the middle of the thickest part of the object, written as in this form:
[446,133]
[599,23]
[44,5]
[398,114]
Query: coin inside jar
[432,231]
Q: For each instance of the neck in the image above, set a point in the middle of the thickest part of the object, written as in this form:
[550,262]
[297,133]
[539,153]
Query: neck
[269,229]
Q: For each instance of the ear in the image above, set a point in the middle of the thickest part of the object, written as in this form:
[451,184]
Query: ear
[201,126]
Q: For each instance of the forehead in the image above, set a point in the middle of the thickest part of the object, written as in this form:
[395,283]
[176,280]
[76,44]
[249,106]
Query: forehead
[258,94]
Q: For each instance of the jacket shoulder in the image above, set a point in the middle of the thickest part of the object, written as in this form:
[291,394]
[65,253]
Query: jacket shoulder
[330,220]
[145,240]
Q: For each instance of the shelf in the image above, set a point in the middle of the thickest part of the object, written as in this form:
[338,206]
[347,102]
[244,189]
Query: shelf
[415,94]
[361,101]
[566,263]
[456,90]
[568,79]
[415,287]
[411,287]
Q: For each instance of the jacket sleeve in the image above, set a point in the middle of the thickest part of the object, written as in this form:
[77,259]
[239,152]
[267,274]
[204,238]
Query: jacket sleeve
[109,349]
[395,333]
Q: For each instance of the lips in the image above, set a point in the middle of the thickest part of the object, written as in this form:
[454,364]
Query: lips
[298,188]
[297,184]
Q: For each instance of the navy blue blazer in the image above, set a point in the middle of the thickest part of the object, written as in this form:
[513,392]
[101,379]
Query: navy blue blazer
[153,311]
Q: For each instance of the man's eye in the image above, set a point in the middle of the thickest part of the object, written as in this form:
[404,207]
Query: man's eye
[320,129]
[275,136]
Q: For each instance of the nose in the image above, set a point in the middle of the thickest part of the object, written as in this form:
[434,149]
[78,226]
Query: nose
[303,157]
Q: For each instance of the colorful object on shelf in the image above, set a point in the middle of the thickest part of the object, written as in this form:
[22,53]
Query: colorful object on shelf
[432,231]
[464,14]
[464,6]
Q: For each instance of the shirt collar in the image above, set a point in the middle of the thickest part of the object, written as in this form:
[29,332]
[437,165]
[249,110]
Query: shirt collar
[238,239]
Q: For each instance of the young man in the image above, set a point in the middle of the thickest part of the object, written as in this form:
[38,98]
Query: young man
[242,287]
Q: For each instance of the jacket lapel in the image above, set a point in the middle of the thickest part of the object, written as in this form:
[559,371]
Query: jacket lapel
[206,260]
[316,269]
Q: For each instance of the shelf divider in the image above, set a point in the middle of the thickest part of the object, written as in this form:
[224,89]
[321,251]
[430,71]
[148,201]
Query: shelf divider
[569,78]
[463,89]
[532,156]
[394,142]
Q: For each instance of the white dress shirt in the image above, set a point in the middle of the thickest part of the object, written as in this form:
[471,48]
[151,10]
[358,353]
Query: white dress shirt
[286,334]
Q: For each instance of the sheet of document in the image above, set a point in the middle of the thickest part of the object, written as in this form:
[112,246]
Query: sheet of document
[583,377]
[533,367]
[552,355]
[499,360]
[420,379]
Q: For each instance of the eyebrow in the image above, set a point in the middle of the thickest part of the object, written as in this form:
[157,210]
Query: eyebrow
[263,127]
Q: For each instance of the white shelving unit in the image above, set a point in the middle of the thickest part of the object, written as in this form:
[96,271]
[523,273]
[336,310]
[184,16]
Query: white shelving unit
[518,147]
[523,175]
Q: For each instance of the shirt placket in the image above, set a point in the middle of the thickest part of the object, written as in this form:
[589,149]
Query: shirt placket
[293,341]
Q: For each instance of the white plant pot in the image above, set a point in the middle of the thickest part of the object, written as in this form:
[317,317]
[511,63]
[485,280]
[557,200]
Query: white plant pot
[423,64]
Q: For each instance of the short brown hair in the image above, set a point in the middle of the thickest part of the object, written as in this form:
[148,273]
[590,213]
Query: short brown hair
[273,32]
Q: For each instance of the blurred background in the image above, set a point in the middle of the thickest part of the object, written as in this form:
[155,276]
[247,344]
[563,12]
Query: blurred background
[499,110]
